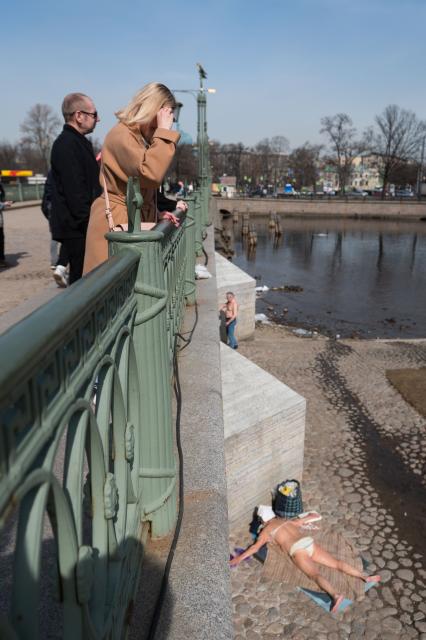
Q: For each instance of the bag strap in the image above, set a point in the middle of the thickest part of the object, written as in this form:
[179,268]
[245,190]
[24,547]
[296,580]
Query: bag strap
[108,213]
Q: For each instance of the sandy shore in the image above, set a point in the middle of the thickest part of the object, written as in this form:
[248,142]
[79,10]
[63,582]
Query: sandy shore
[364,471]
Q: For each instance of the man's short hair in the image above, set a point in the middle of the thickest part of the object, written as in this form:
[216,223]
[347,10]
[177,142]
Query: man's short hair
[230,293]
[71,103]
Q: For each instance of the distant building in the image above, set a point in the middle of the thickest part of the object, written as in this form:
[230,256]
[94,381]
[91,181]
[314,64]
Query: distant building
[228,186]
[366,172]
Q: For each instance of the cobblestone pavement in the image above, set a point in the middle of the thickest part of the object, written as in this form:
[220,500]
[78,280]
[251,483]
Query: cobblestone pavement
[364,471]
[27,247]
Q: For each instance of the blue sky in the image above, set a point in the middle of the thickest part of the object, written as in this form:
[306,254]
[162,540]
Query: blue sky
[278,66]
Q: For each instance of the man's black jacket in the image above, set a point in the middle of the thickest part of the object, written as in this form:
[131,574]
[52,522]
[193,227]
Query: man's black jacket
[76,185]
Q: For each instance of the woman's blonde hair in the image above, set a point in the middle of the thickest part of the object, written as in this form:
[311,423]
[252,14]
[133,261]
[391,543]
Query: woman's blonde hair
[145,105]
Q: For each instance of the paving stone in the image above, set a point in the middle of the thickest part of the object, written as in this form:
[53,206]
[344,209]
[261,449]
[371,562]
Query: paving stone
[276,628]
[385,575]
[421,626]
[406,604]
[419,616]
[388,596]
[406,619]
[388,611]
[406,562]
[272,614]
[392,624]
[242,609]
[405,574]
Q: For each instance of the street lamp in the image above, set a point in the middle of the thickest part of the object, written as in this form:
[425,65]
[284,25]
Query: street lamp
[202,139]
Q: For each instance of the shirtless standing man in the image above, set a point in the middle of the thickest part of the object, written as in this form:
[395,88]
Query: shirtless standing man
[230,309]
[305,553]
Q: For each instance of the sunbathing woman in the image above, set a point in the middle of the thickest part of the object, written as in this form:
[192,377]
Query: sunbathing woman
[306,554]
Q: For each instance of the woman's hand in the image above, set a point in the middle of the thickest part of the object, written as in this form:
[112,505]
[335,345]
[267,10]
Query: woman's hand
[235,561]
[165,118]
[181,205]
[171,216]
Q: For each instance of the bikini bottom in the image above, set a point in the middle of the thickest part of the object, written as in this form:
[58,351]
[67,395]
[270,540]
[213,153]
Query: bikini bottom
[305,544]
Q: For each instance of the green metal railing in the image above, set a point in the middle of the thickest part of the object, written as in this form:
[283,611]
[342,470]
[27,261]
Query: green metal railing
[86,433]
[21,192]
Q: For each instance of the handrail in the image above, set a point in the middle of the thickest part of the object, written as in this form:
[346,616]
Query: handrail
[86,433]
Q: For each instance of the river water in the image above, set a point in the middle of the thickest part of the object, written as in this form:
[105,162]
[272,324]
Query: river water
[363,278]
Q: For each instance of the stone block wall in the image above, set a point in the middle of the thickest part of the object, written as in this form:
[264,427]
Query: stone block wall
[264,423]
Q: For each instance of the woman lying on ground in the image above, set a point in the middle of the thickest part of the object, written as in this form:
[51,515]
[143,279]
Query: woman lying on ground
[305,553]
[140,145]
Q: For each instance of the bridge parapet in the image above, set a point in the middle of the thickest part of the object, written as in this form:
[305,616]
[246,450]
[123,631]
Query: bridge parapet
[86,435]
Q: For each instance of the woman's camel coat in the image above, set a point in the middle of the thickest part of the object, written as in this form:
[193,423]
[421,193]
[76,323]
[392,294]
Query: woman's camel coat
[125,154]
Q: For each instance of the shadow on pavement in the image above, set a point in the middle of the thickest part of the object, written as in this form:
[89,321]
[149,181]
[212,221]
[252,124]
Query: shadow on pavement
[13,259]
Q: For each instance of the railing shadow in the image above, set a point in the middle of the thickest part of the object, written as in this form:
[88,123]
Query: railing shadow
[129,618]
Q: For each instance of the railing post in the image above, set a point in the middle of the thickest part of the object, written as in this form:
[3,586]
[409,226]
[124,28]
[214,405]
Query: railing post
[157,463]
[20,192]
[198,223]
[190,252]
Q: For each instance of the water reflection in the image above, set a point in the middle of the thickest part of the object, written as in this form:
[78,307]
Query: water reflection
[359,277]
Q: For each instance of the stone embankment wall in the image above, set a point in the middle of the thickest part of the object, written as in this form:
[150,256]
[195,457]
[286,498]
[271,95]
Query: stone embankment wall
[264,420]
[264,424]
[329,208]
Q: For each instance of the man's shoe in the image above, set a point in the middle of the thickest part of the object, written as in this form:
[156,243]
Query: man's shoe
[60,275]
[4,264]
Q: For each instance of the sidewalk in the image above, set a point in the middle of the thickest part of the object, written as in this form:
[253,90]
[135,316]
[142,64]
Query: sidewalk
[25,204]
[27,245]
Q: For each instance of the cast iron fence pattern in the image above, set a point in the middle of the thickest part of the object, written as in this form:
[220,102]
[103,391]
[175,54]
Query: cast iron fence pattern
[86,439]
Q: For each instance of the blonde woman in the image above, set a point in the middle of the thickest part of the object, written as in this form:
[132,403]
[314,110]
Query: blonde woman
[140,144]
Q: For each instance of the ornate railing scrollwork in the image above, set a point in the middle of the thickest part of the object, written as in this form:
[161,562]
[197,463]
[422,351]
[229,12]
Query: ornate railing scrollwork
[86,435]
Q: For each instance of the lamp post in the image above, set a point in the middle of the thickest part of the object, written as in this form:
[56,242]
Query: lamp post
[202,142]
[420,171]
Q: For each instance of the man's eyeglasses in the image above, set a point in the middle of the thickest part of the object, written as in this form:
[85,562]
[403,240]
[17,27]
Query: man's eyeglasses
[88,113]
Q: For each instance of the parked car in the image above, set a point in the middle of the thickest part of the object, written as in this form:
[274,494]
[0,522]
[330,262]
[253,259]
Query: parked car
[404,193]
[256,193]
[356,193]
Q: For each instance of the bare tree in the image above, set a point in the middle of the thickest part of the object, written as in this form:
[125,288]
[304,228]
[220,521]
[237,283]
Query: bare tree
[397,138]
[39,130]
[9,155]
[279,144]
[184,165]
[304,163]
[344,146]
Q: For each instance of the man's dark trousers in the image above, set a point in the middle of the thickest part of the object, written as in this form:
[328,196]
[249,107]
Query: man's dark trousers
[74,248]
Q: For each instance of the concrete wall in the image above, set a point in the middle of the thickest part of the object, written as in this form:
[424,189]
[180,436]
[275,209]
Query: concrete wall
[232,278]
[325,208]
[264,424]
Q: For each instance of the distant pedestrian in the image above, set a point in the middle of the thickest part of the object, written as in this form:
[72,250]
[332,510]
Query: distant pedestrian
[230,309]
[75,175]
[58,262]
[3,205]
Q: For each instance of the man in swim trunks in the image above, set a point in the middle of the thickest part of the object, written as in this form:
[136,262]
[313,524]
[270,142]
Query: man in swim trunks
[305,553]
